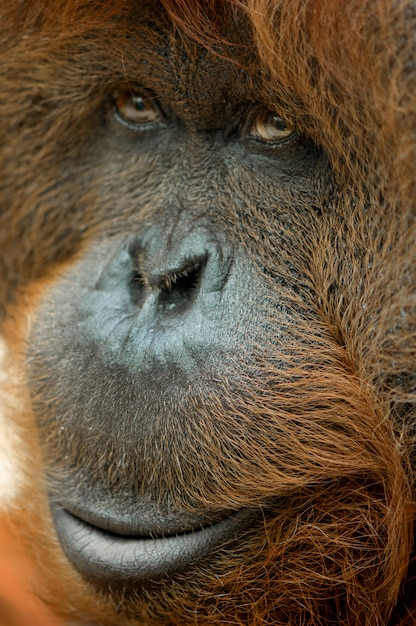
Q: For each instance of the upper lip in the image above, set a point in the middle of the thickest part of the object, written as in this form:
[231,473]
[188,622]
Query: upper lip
[147,520]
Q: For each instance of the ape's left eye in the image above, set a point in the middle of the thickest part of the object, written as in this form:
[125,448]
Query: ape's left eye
[271,128]
[136,109]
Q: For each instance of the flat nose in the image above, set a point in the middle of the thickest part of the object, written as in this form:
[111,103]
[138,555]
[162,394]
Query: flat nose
[176,268]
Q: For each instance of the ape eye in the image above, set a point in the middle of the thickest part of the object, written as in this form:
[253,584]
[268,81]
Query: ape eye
[136,109]
[271,128]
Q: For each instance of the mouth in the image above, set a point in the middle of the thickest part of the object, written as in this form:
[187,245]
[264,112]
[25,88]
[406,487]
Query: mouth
[105,557]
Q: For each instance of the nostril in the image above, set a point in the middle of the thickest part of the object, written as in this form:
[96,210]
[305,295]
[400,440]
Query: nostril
[187,278]
[171,271]
[179,286]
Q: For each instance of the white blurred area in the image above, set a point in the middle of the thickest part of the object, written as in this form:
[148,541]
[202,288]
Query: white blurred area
[10,464]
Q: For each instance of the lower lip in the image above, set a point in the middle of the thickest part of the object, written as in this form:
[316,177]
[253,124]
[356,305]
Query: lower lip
[103,557]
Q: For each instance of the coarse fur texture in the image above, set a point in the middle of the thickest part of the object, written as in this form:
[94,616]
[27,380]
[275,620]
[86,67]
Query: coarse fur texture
[297,400]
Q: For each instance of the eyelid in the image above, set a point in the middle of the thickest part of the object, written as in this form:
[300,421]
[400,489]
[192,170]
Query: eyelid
[266,147]
[268,121]
[125,102]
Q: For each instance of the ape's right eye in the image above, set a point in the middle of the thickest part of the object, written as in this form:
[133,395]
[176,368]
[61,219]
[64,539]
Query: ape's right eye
[136,109]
